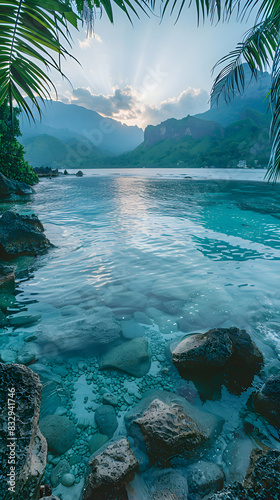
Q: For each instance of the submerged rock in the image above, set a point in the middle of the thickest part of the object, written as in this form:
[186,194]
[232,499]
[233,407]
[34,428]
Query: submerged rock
[167,484]
[58,472]
[131,357]
[170,426]
[23,319]
[267,401]
[109,472]
[96,442]
[52,497]
[125,301]
[204,478]
[106,420]
[21,235]
[7,279]
[30,445]
[131,329]
[59,432]
[83,335]
[226,350]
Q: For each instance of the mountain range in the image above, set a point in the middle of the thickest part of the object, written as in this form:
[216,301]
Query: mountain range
[231,134]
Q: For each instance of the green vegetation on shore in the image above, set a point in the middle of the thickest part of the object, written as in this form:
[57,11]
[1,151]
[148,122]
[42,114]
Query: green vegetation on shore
[12,162]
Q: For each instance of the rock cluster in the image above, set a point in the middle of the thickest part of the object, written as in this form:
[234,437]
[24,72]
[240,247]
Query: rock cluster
[46,172]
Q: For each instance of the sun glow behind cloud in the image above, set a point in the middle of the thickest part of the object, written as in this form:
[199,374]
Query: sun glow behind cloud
[147,72]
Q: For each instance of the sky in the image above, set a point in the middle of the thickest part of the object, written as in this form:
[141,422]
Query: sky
[148,72]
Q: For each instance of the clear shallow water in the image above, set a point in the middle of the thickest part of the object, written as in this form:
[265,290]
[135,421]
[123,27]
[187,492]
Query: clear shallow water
[133,240]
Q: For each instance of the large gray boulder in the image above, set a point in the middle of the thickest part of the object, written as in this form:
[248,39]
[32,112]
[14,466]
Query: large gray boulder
[131,357]
[29,446]
[170,427]
[109,471]
[59,431]
[9,186]
[222,350]
[21,235]
[267,401]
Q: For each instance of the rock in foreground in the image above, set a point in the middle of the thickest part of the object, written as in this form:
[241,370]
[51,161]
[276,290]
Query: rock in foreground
[131,357]
[267,401]
[9,186]
[21,235]
[226,350]
[170,426]
[30,445]
[109,472]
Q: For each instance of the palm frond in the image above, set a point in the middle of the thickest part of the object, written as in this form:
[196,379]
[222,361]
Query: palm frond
[273,171]
[215,10]
[89,9]
[30,41]
[257,50]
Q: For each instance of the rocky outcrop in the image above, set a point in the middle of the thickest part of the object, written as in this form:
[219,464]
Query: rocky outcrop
[168,425]
[46,172]
[21,235]
[266,402]
[9,186]
[20,393]
[109,471]
[175,130]
[226,350]
[131,357]
[79,174]
[59,432]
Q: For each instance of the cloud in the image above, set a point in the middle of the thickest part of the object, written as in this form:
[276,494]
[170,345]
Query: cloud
[88,41]
[189,102]
[109,105]
[127,105]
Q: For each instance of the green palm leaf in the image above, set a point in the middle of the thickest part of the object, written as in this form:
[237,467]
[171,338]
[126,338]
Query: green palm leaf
[30,43]
[257,50]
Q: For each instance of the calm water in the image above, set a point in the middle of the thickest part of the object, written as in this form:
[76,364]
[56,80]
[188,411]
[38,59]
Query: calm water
[210,244]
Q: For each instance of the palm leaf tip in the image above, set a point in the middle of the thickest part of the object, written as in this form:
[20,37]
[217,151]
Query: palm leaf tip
[30,39]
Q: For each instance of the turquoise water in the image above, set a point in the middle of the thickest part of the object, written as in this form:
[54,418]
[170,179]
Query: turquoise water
[140,241]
